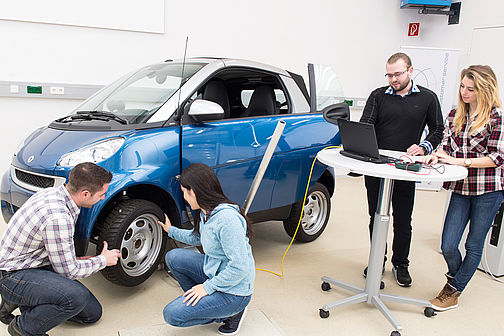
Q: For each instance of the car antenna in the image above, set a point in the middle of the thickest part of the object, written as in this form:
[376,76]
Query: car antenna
[177,115]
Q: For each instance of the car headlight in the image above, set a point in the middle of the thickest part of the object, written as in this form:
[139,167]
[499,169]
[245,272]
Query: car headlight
[95,152]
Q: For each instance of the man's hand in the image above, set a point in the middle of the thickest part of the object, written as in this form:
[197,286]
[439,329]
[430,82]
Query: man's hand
[110,255]
[194,294]
[415,150]
[166,225]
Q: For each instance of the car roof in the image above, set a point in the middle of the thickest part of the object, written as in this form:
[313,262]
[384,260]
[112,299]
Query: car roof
[233,62]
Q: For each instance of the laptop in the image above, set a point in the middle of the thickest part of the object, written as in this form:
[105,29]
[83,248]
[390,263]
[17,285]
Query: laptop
[359,142]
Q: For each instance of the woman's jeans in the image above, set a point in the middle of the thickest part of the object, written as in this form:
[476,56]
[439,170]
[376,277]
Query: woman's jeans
[187,267]
[480,211]
[47,299]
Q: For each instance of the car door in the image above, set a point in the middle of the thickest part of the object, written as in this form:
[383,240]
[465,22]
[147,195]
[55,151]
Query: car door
[234,146]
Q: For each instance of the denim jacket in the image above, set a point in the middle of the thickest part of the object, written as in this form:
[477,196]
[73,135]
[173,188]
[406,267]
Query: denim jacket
[229,263]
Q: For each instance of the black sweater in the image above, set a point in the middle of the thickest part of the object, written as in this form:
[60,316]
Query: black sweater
[400,121]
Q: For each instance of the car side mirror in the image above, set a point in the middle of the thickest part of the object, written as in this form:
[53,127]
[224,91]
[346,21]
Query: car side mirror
[204,110]
[336,111]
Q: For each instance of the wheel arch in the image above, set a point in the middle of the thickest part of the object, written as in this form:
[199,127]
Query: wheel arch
[327,179]
[148,192]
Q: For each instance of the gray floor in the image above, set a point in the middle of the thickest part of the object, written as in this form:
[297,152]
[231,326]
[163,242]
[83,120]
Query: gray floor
[289,305]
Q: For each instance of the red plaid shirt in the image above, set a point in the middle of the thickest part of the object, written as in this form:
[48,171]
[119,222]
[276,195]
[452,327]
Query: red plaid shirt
[486,141]
[41,233]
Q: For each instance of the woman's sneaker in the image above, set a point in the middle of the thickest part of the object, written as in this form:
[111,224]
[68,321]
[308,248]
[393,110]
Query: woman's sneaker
[446,299]
[232,324]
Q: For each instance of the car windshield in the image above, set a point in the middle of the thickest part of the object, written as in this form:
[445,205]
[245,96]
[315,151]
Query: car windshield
[137,96]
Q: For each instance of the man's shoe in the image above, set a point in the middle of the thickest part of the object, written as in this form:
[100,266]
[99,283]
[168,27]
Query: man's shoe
[446,299]
[232,324]
[402,275]
[6,309]
[13,328]
[365,271]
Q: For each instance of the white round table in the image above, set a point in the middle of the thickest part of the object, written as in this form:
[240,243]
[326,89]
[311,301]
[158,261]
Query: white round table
[388,173]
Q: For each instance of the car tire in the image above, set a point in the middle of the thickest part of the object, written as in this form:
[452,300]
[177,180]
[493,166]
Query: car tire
[317,208]
[132,228]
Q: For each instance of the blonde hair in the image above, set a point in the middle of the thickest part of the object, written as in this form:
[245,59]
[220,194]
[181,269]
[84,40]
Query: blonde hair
[487,95]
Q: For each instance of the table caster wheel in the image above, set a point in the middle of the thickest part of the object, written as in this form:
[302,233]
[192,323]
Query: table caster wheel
[395,333]
[429,312]
[325,286]
[323,313]
[382,285]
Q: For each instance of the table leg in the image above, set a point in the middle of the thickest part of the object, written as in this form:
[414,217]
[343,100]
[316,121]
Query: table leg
[371,293]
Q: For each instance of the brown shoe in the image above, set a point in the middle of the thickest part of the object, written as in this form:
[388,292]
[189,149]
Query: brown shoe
[446,299]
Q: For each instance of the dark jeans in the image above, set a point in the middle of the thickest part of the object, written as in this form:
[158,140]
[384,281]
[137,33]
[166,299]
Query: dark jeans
[47,299]
[187,267]
[403,198]
[481,211]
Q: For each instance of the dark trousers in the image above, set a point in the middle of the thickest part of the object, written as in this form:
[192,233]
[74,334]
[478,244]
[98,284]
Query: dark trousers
[403,198]
[47,299]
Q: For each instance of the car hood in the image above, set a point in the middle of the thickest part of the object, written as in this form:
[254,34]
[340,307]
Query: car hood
[44,147]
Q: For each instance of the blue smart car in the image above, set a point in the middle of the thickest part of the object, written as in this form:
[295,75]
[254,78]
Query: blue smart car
[149,125]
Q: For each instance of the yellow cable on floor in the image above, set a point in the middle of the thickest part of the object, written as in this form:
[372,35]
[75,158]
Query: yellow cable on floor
[300,217]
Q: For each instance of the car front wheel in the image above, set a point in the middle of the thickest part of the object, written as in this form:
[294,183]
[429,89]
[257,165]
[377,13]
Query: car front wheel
[132,228]
[316,211]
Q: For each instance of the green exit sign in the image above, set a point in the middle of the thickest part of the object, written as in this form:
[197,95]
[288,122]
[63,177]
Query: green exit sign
[34,89]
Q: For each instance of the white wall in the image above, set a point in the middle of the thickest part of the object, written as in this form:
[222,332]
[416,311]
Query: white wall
[355,37]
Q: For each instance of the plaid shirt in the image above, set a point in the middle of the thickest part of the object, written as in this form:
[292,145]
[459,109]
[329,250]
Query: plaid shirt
[41,233]
[486,141]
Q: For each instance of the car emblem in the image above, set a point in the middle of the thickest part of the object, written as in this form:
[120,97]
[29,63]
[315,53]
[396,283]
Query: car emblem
[30,159]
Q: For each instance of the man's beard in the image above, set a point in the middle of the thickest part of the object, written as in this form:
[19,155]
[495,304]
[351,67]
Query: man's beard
[403,84]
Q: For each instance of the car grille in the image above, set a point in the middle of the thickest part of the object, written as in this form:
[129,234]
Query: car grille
[34,180]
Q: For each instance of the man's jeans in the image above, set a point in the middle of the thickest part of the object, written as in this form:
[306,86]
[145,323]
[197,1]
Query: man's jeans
[187,267]
[47,299]
[481,211]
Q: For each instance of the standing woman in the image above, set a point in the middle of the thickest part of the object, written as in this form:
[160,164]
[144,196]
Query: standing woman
[473,138]
[218,284]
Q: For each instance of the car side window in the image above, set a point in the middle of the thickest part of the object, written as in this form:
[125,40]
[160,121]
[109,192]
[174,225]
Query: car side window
[245,93]
[280,100]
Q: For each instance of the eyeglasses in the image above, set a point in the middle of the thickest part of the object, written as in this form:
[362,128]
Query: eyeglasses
[396,74]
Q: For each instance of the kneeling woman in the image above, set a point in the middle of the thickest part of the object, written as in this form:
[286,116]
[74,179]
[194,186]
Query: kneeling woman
[218,284]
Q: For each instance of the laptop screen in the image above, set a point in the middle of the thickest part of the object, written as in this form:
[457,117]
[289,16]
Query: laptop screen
[358,138]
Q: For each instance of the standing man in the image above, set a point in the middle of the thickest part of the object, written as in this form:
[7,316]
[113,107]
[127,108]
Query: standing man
[38,266]
[400,113]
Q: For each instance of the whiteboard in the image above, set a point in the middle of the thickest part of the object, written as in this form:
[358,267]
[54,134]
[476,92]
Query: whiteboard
[436,69]
[133,15]
[486,49]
